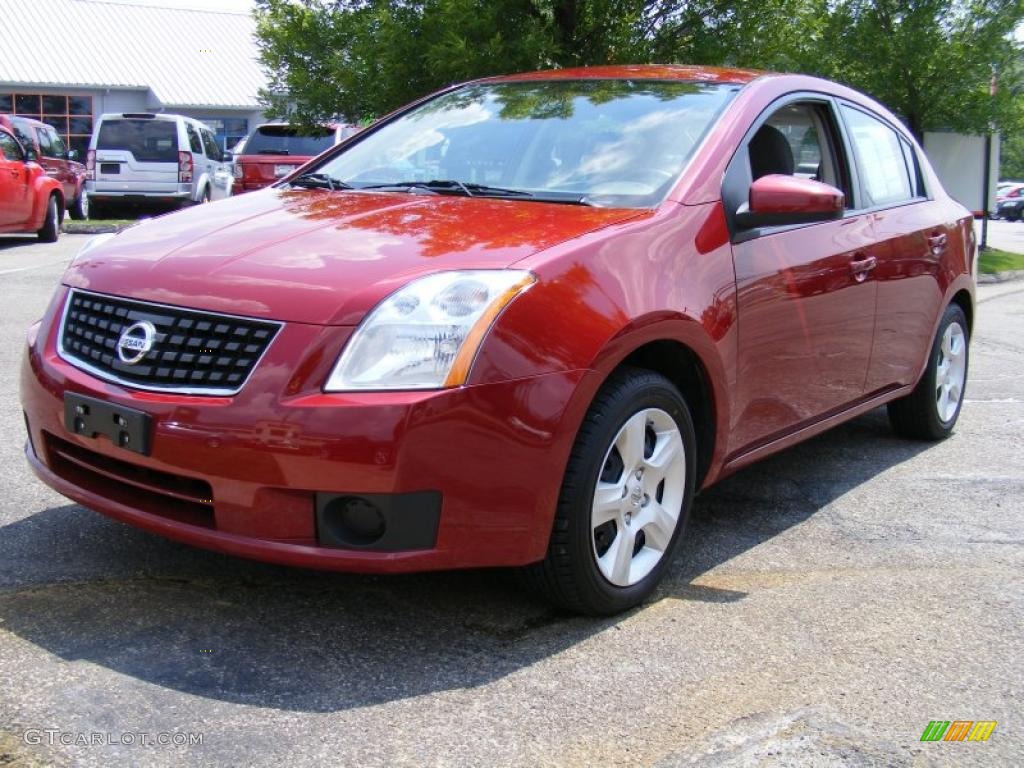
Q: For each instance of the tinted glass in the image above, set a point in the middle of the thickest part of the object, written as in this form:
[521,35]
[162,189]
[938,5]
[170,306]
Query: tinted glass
[193,139]
[79,105]
[9,147]
[614,142]
[210,145]
[45,144]
[883,169]
[55,105]
[23,130]
[149,141]
[284,140]
[59,150]
[26,104]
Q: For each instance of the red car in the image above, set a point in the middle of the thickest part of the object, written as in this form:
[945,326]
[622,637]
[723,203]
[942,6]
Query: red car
[276,149]
[30,201]
[518,323]
[57,160]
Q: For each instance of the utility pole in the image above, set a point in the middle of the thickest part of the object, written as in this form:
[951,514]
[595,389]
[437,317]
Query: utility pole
[987,174]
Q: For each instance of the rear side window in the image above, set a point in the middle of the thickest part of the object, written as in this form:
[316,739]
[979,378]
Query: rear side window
[149,141]
[885,179]
[46,148]
[9,147]
[210,145]
[285,140]
[193,139]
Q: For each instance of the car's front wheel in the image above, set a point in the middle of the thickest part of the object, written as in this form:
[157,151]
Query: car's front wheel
[625,497]
[931,410]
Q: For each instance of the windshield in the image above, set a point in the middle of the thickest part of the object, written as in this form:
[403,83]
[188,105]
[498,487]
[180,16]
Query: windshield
[149,141]
[608,142]
[285,140]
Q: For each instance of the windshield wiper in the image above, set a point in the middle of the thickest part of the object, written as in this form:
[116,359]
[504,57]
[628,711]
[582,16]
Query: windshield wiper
[319,181]
[272,152]
[470,189]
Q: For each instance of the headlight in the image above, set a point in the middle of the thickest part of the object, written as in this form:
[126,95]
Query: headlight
[425,335]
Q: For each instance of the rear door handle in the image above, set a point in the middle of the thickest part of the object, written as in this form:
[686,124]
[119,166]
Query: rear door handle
[938,242]
[861,267]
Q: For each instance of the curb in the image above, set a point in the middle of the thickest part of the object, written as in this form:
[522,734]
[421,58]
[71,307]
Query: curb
[1000,277]
[92,229]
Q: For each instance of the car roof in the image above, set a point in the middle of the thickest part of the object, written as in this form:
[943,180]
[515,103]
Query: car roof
[6,117]
[681,72]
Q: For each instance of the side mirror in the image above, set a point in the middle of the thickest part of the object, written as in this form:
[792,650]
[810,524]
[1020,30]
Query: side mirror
[227,157]
[777,200]
[72,154]
[30,155]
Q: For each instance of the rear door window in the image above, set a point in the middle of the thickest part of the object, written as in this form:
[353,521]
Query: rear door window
[885,178]
[46,148]
[149,141]
[285,140]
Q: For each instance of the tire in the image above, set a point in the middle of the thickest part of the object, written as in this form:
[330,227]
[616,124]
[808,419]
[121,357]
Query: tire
[930,412]
[50,230]
[1012,214]
[603,568]
[79,209]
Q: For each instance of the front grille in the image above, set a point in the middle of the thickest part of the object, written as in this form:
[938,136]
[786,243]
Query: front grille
[193,352]
[176,497]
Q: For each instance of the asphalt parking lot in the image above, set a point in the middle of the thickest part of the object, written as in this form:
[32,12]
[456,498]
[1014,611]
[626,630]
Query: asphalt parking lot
[825,606]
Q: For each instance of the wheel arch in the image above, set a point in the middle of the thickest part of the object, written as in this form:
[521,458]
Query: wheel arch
[965,301]
[680,350]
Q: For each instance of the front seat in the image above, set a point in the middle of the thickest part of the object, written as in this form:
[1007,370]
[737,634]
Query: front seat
[770,153]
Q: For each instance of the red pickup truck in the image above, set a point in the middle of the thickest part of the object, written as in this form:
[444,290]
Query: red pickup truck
[57,161]
[30,200]
[274,150]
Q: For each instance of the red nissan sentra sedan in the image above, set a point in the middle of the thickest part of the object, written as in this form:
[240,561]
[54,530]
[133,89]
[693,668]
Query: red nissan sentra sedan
[518,323]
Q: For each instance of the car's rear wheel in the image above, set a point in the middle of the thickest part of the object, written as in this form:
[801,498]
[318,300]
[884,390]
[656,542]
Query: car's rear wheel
[80,208]
[50,230]
[930,412]
[625,497]
[1011,214]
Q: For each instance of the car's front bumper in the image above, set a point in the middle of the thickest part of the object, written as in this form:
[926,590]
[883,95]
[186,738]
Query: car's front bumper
[491,455]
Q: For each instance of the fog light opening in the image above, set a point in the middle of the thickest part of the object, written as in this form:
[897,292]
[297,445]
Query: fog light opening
[355,521]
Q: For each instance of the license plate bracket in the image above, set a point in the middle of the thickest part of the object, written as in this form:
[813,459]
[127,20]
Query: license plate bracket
[126,427]
[283,170]
[110,168]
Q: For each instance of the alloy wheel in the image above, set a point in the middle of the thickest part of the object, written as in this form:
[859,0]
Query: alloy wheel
[638,497]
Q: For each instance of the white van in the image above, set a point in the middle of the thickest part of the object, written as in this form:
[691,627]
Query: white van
[137,156]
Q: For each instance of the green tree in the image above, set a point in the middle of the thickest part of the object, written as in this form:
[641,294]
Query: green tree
[931,61]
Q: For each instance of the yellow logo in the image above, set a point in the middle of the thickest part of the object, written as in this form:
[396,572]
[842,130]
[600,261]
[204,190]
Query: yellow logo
[958,730]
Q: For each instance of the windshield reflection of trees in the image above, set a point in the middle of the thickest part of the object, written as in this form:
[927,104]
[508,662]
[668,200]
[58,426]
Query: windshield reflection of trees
[559,99]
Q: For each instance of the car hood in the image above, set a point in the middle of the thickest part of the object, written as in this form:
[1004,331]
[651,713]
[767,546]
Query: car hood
[320,257]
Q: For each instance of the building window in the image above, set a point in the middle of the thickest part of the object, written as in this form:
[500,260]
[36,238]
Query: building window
[70,116]
[228,130]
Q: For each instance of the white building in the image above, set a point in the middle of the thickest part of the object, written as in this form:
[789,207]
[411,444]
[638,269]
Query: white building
[68,61]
